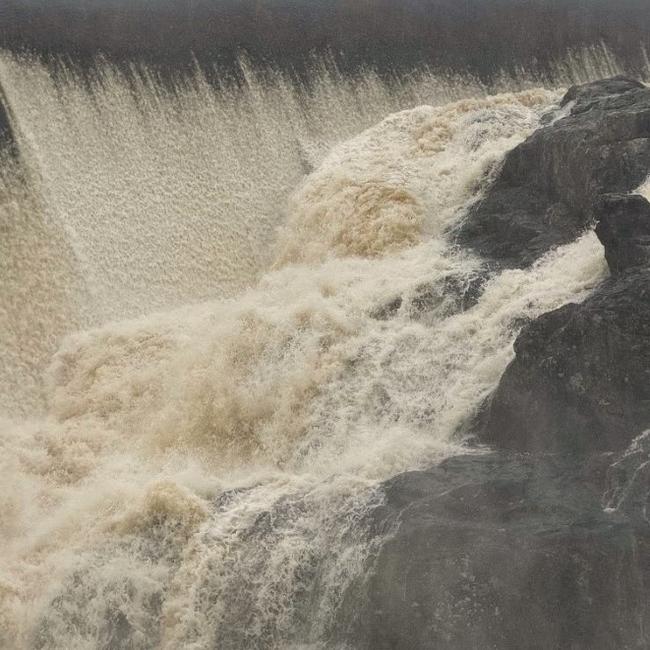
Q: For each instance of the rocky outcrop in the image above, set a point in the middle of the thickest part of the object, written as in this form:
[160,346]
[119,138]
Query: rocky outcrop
[544,194]
[501,551]
[586,93]
[580,380]
[6,136]
[544,542]
[623,226]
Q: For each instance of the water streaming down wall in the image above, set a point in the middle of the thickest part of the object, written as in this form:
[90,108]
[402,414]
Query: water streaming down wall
[201,475]
[142,198]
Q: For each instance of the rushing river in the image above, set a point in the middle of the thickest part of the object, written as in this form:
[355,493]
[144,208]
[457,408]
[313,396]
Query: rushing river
[228,314]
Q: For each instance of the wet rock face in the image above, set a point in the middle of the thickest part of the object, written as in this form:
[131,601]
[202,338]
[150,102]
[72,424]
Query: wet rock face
[623,226]
[6,139]
[453,294]
[586,93]
[7,142]
[544,542]
[544,195]
[6,136]
[628,482]
[503,551]
[580,381]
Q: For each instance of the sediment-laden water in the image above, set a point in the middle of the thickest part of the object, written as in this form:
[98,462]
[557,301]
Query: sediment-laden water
[227,315]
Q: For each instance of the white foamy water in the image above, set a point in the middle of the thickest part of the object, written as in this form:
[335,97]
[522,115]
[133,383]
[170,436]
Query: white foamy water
[201,473]
[644,189]
[141,199]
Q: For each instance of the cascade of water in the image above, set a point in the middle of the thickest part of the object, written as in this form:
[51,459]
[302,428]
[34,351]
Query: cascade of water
[202,474]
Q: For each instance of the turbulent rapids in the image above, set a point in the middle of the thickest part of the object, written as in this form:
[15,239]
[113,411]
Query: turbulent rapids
[228,315]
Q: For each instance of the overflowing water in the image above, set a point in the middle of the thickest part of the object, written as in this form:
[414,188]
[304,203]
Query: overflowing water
[227,315]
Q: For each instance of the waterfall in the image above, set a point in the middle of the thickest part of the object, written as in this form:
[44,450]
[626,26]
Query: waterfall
[213,359]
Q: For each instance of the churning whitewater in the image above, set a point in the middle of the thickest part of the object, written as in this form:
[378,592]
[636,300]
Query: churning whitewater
[255,314]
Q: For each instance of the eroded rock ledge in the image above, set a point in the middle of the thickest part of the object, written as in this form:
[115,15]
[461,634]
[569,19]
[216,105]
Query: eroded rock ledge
[544,542]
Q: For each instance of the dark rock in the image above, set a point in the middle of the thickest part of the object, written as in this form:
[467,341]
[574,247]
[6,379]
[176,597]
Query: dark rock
[501,551]
[624,229]
[544,544]
[580,381]
[450,294]
[596,469]
[6,136]
[387,310]
[544,195]
[628,482]
[585,93]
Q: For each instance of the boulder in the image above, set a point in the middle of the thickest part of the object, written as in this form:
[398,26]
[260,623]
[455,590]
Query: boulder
[586,93]
[544,194]
[6,136]
[500,551]
[628,483]
[623,226]
[580,380]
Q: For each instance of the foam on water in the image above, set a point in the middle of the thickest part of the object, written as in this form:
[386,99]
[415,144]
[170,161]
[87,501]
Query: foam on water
[644,189]
[202,476]
[142,198]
